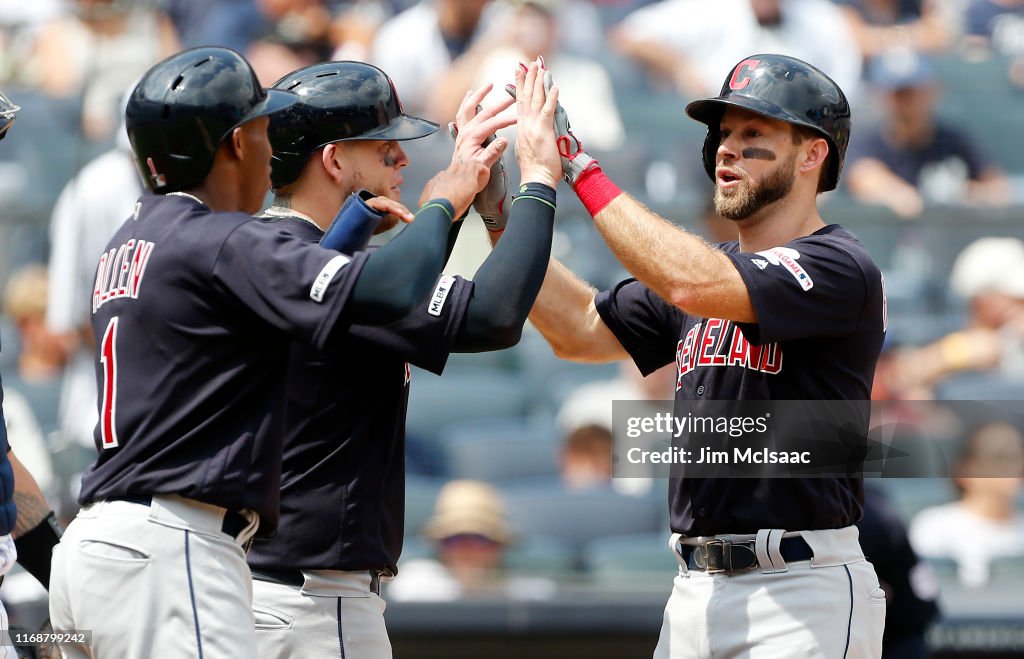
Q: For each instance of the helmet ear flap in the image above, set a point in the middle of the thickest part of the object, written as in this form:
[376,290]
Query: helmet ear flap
[710,150]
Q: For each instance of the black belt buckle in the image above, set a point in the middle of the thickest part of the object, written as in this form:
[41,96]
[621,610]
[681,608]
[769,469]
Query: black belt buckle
[710,556]
[375,582]
[717,555]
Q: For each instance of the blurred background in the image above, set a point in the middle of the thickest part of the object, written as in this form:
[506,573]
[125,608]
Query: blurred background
[518,540]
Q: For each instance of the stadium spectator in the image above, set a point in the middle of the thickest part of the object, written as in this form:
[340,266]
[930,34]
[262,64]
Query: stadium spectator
[88,212]
[989,474]
[421,46]
[883,25]
[355,26]
[230,23]
[586,460]
[530,29]
[591,403]
[299,36]
[996,26]
[95,51]
[690,43]
[469,532]
[915,158]
[42,354]
[989,275]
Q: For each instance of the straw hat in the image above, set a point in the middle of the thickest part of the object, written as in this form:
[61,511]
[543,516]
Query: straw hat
[468,507]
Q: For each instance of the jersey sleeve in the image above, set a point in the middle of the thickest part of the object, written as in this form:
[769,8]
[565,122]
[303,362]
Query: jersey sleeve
[811,287]
[292,284]
[426,336]
[646,326]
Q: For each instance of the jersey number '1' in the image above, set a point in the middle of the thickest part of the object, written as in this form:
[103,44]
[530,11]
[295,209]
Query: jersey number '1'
[108,358]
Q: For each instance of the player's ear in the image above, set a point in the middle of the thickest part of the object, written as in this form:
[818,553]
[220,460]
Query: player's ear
[332,161]
[234,143]
[814,154]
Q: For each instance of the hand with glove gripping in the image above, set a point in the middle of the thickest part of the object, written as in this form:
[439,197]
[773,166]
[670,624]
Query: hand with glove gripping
[578,166]
[491,202]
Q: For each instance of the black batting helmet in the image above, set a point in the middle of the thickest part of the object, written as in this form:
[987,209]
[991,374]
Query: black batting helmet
[185,106]
[7,112]
[338,101]
[783,88]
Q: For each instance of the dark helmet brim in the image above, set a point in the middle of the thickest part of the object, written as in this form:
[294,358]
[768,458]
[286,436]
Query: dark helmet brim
[401,128]
[275,101]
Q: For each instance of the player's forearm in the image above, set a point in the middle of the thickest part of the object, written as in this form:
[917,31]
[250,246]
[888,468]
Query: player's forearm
[28,498]
[564,313]
[36,531]
[677,265]
[507,283]
[401,274]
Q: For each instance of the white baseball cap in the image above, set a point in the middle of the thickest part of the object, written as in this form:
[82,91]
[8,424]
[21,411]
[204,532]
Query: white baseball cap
[990,265]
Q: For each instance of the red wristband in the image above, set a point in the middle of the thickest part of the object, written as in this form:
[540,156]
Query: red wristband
[596,190]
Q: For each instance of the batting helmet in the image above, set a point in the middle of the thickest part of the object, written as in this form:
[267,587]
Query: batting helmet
[7,112]
[338,101]
[185,106]
[783,88]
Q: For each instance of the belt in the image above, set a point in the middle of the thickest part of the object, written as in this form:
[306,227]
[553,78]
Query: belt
[234,522]
[736,556]
[294,577]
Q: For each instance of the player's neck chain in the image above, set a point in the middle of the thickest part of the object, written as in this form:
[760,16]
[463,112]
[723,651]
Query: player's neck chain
[279,211]
[187,196]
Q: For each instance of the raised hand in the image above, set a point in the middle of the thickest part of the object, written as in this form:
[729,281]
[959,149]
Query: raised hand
[491,202]
[460,182]
[575,160]
[536,148]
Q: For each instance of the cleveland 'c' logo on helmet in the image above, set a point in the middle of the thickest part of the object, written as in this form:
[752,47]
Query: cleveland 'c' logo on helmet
[741,74]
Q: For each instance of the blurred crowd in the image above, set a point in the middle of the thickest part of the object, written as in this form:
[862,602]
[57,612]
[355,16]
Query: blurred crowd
[934,184]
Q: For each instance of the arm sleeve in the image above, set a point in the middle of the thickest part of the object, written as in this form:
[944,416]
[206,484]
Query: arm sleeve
[507,283]
[813,286]
[646,326]
[399,275]
[425,337]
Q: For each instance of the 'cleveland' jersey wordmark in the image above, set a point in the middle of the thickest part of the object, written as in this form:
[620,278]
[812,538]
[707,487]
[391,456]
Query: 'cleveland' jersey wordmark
[717,342]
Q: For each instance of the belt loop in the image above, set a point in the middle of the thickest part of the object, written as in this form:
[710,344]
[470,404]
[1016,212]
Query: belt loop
[761,550]
[774,551]
[674,545]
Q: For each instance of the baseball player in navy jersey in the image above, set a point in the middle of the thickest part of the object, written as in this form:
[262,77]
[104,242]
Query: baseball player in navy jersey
[316,583]
[794,310]
[194,306]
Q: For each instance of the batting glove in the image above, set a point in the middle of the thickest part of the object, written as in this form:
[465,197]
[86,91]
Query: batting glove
[490,203]
[575,160]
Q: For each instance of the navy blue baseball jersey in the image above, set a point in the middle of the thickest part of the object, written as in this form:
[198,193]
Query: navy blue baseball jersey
[343,480]
[193,313]
[821,320]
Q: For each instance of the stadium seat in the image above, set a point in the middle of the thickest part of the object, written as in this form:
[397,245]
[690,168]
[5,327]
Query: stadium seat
[500,449]
[462,394]
[578,517]
[910,496]
[539,556]
[630,559]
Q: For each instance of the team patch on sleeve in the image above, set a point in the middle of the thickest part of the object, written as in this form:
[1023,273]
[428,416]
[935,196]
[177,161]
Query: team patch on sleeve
[787,258]
[440,295]
[323,280]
